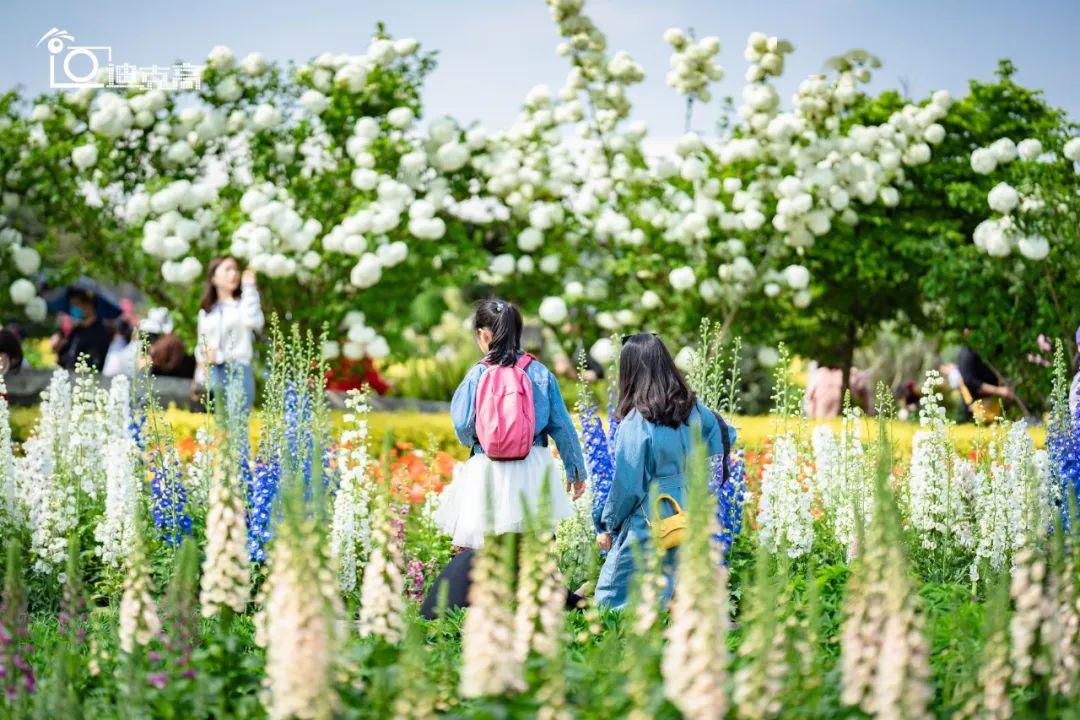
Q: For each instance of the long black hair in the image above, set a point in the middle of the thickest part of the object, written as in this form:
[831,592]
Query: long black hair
[505,323]
[650,383]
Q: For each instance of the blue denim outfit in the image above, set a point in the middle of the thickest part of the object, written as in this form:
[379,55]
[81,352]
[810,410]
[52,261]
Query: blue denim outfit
[219,381]
[650,460]
[552,417]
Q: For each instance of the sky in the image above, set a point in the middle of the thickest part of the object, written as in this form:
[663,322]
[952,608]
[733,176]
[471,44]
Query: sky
[491,52]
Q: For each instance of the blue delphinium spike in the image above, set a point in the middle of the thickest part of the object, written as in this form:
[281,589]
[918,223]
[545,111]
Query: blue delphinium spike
[168,500]
[262,484]
[730,497]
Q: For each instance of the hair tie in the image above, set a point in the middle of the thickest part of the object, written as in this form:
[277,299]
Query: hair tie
[498,307]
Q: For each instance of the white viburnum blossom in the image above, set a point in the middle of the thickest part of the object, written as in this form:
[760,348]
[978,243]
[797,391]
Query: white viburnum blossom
[553,310]
[1071,151]
[1003,198]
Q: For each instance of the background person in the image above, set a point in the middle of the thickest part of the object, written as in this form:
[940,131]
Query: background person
[88,338]
[659,416]
[11,354]
[229,316]
[979,384]
[123,352]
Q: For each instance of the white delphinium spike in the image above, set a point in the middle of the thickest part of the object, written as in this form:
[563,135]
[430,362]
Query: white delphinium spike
[116,531]
[840,478]
[937,505]
[89,427]
[350,529]
[488,660]
[139,621]
[200,471]
[226,574]
[47,491]
[382,602]
[784,508]
[1009,502]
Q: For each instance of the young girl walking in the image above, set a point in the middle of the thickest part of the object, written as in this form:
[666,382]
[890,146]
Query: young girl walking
[659,416]
[505,410]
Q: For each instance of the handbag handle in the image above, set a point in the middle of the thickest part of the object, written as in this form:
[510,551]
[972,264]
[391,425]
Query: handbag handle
[656,506]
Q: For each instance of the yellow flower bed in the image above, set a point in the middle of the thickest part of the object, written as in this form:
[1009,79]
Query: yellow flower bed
[428,430]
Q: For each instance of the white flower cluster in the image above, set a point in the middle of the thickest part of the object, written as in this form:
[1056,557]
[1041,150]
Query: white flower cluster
[939,483]
[94,420]
[360,341]
[382,600]
[181,222]
[784,507]
[1014,498]
[1013,225]
[139,620]
[26,261]
[841,478]
[48,492]
[884,653]
[489,665]
[116,532]
[350,72]
[300,625]
[693,64]
[350,528]
[226,579]
[275,234]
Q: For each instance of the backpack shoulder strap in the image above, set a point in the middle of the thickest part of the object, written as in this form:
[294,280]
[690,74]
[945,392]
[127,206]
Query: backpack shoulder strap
[524,361]
[725,438]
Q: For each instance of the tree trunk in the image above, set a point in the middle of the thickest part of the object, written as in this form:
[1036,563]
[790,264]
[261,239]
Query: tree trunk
[848,359]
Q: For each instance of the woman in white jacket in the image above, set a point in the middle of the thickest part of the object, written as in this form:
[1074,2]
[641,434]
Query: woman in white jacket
[229,317]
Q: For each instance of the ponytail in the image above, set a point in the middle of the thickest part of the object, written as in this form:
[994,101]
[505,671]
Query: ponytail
[504,321]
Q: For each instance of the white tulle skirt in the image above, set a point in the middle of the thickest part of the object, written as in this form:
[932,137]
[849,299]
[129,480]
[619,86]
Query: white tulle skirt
[517,487]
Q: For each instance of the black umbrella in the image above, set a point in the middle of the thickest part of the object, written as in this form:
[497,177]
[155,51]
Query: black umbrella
[105,307]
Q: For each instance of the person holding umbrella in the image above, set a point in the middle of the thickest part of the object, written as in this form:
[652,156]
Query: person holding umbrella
[87,306]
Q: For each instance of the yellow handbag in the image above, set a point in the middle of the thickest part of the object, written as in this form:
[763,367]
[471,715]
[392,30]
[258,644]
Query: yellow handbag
[669,531]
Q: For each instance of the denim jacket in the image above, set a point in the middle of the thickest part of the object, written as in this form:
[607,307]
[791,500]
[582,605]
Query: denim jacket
[649,455]
[552,418]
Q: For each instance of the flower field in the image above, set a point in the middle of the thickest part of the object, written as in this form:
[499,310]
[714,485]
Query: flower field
[841,571]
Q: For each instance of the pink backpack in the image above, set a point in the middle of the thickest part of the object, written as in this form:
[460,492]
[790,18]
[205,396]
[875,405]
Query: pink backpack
[505,415]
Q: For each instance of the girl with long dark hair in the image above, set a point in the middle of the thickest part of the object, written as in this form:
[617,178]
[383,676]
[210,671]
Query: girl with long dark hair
[229,316]
[659,416]
[467,509]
